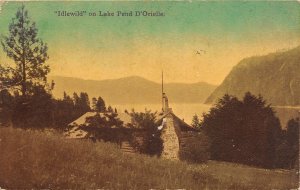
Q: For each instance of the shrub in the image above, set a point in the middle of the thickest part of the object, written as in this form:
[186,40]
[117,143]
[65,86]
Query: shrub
[34,111]
[287,152]
[196,149]
[152,144]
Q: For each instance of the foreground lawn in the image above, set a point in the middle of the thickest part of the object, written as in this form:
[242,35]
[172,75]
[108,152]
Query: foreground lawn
[38,160]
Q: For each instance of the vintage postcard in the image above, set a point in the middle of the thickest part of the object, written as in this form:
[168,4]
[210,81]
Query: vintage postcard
[149,94]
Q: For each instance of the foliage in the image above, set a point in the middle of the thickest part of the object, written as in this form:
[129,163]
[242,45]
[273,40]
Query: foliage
[28,75]
[68,109]
[99,104]
[293,132]
[28,52]
[105,127]
[288,149]
[196,149]
[110,109]
[94,101]
[40,110]
[152,142]
[143,119]
[107,120]
[81,102]
[244,131]
[108,127]
[34,111]
[7,104]
[196,122]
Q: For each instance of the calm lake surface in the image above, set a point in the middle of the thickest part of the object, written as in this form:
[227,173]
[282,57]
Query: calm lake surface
[183,111]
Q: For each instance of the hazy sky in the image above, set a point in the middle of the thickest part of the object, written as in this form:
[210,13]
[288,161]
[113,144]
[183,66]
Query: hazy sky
[114,47]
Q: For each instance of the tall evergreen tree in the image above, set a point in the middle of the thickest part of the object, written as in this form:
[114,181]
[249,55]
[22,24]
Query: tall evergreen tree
[76,99]
[244,131]
[65,95]
[94,102]
[110,109]
[81,102]
[100,105]
[84,102]
[196,122]
[28,52]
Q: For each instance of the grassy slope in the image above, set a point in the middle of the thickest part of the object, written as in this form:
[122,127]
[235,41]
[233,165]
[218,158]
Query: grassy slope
[36,160]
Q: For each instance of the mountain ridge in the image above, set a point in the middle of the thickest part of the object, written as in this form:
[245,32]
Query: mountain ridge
[275,76]
[132,90]
[128,77]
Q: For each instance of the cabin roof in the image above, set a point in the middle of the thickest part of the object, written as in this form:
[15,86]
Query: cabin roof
[76,133]
[180,124]
[126,118]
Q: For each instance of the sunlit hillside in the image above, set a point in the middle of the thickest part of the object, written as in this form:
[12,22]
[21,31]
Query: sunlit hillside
[274,76]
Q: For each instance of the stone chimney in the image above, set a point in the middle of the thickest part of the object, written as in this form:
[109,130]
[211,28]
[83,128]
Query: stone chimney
[165,105]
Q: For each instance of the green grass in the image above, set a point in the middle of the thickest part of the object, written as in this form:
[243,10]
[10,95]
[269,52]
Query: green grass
[38,160]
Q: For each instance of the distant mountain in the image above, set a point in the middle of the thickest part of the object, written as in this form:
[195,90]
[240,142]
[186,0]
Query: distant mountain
[275,76]
[132,90]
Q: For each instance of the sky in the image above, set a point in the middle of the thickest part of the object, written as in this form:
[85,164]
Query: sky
[97,47]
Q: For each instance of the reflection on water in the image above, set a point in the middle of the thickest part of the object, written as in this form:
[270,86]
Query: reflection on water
[183,111]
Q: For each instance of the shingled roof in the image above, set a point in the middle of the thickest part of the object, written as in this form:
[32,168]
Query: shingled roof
[126,118]
[180,124]
[76,133]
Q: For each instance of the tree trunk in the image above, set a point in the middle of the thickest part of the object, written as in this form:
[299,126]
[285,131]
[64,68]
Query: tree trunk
[23,58]
[23,78]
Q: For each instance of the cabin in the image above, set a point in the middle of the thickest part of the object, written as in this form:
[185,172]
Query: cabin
[79,129]
[175,133]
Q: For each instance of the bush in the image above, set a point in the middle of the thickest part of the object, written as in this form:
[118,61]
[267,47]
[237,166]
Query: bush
[6,107]
[152,144]
[106,127]
[287,153]
[34,111]
[196,149]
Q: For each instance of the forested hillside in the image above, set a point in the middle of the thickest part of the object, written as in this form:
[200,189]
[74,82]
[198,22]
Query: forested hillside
[275,76]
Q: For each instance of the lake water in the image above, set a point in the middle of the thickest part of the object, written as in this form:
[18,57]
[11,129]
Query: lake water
[183,111]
